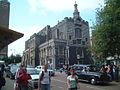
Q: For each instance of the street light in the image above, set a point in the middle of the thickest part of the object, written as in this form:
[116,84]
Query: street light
[67,54]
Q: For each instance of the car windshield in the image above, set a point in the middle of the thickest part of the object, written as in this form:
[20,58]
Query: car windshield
[32,71]
[90,68]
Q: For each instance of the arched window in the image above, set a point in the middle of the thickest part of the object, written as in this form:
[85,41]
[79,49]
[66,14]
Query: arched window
[78,33]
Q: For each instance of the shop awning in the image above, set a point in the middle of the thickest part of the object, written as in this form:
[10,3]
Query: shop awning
[8,36]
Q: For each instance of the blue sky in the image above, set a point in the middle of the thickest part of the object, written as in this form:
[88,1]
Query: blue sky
[30,16]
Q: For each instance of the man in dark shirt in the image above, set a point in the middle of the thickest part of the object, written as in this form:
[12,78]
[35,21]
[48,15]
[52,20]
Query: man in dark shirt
[2,80]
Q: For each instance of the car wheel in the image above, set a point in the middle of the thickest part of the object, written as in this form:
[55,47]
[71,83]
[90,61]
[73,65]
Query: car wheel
[93,81]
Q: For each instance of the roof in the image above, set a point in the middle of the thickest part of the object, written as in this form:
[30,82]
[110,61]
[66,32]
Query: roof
[8,36]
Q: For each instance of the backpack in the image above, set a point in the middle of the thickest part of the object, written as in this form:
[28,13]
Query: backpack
[42,75]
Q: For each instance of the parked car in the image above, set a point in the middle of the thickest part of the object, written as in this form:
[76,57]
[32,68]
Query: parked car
[40,68]
[34,75]
[90,74]
[11,70]
[52,72]
[30,66]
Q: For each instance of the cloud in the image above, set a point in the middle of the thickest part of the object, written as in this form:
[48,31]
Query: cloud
[17,47]
[63,5]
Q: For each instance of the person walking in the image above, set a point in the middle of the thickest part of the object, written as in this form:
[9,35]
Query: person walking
[72,81]
[109,71]
[22,78]
[103,69]
[2,80]
[69,71]
[44,79]
[2,69]
[116,75]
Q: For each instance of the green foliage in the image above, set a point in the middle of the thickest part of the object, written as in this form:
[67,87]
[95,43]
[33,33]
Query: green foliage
[12,59]
[106,33]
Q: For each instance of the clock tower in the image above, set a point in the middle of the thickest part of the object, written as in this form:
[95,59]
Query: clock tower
[76,12]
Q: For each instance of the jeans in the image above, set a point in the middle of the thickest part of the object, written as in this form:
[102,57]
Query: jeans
[45,87]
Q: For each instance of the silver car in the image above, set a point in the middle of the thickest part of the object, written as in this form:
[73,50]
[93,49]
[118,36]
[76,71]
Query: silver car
[33,83]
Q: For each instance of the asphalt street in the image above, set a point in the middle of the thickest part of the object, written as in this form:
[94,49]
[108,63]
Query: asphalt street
[59,83]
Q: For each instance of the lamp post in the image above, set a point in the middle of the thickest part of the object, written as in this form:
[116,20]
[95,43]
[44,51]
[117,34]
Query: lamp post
[67,55]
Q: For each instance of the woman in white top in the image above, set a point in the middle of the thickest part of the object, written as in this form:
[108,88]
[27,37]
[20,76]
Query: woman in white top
[44,79]
[72,81]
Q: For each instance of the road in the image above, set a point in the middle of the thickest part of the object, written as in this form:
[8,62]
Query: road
[9,84]
[59,83]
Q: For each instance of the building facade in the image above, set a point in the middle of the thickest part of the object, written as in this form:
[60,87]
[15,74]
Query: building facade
[65,43]
[31,53]
[4,21]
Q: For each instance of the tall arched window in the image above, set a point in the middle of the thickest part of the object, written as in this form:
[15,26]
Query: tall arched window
[78,33]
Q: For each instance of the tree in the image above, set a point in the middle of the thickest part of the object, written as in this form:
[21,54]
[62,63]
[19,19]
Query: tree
[106,33]
[12,59]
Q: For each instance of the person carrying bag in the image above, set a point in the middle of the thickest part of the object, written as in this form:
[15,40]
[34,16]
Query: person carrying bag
[22,79]
[44,79]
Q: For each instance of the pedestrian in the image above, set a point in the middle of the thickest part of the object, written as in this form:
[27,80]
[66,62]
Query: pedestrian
[116,75]
[2,80]
[44,79]
[2,69]
[109,71]
[16,86]
[22,78]
[103,69]
[72,81]
[69,71]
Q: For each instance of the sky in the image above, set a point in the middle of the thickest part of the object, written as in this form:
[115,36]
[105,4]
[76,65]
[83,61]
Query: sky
[30,16]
